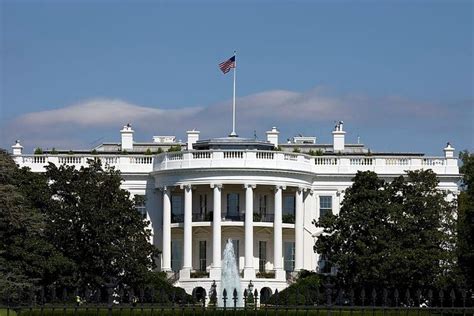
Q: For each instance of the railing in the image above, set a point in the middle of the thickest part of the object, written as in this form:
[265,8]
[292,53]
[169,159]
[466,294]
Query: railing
[250,158]
[315,300]
[257,217]
[177,218]
[326,161]
[361,161]
[237,218]
[265,155]
[202,155]
[125,163]
[233,155]
[205,217]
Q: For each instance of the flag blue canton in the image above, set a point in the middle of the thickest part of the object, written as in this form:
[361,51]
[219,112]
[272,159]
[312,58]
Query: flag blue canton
[227,65]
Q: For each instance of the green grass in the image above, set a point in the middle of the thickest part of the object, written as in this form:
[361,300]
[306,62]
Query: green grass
[197,311]
[3,312]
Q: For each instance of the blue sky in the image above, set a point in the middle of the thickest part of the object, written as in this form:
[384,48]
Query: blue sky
[399,73]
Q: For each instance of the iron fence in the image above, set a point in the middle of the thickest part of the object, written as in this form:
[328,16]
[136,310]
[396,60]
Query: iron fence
[325,301]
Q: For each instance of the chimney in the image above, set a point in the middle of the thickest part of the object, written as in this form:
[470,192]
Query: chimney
[127,137]
[338,137]
[448,151]
[272,136]
[193,137]
[17,148]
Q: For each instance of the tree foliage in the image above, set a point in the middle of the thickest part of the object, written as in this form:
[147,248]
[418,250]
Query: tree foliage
[90,216]
[466,219]
[397,233]
[27,259]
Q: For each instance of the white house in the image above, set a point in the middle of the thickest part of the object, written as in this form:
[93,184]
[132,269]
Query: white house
[263,195]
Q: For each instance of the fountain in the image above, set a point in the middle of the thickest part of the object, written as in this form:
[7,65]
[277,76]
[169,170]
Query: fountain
[230,278]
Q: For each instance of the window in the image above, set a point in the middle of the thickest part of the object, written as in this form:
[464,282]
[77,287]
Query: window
[262,255]
[233,205]
[262,205]
[202,255]
[177,206]
[176,255]
[325,205]
[289,205]
[140,204]
[235,245]
[289,256]
[203,204]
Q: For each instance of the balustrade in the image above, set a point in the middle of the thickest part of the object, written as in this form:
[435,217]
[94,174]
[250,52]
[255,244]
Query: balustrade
[233,155]
[244,158]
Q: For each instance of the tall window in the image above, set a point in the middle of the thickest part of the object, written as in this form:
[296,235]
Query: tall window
[262,255]
[140,204]
[203,203]
[202,255]
[235,245]
[289,256]
[176,255]
[233,204]
[288,204]
[177,206]
[262,205]
[325,206]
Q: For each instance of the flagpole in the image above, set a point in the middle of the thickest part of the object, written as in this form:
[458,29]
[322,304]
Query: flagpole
[233,100]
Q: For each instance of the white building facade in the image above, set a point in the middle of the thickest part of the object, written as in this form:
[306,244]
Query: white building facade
[263,195]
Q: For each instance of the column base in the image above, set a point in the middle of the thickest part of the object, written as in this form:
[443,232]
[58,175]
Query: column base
[215,273]
[185,273]
[280,274]
[249,274]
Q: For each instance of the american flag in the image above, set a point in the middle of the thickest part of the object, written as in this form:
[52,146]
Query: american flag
[227,65]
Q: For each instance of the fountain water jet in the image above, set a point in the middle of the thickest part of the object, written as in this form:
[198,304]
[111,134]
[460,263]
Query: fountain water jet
[230,278]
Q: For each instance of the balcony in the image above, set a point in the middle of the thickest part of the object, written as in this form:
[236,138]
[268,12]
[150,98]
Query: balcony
[202,217]
[177,218]
[266,218]
[235,218]
[388,164]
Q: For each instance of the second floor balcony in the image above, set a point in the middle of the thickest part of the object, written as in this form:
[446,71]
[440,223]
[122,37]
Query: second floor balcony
[288,218]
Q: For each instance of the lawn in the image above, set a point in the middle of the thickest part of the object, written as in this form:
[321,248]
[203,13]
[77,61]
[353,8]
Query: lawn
[198,311]
[3,312]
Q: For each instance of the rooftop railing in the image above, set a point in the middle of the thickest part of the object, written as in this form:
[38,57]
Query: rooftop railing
[336,164]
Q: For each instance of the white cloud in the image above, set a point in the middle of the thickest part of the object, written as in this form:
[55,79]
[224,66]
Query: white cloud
[282,108]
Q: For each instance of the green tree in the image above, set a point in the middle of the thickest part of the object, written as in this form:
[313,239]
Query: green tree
[26,258]
[466,219]
[94,223]
[396,234]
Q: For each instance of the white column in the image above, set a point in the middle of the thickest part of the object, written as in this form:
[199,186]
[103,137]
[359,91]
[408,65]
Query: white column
[299,229]
[166,247]
[188,241]
[249,271]
[215,272]
[278,234]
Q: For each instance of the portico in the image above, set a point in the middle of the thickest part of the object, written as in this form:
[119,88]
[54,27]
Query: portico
[247,207]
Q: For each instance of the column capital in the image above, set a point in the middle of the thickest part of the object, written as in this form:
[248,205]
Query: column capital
[250,185]
[186,186]
[164,188]
[280,186]
[216,185]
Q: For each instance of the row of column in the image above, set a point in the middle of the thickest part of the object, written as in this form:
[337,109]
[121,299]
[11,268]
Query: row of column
[249,269]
